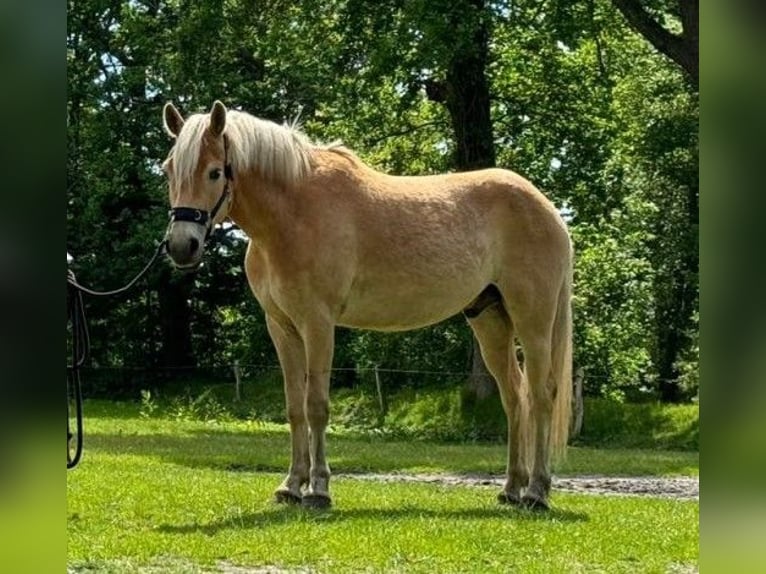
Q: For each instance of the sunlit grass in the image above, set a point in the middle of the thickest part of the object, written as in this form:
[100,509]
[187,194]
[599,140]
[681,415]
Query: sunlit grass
[265,446]
[184,496]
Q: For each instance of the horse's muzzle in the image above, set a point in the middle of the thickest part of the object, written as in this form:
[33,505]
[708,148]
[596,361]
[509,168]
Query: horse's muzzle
[185,244]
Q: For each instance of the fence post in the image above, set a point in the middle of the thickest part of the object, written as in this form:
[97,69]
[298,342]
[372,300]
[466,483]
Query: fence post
[577,403]
[381,397]
[237,381]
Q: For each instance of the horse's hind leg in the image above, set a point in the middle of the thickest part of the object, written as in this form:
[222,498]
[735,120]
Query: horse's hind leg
[535,335]
[494,331]
[292,358]
[319,337]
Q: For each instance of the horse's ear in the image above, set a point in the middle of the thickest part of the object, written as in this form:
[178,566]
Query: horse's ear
[217,118]
[172,120]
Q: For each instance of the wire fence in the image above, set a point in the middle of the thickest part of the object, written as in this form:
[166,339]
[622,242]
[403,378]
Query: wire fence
[119,381]
[261,368]
[127,381]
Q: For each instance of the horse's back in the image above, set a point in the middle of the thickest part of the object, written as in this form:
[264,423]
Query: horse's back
[492,209]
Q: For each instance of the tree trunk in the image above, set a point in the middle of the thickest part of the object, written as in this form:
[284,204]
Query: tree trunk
[669,344]
[480,383]
[682,48]
[578,407]
[175,320]
[467,98]
[468,101]
[676,306]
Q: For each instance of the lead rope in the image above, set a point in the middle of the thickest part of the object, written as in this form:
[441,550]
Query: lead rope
[81,348]
[73,282]
[76,309]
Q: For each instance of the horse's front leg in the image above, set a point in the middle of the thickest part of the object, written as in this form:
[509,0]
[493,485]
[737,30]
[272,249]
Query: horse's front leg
[292,358]
[319,340]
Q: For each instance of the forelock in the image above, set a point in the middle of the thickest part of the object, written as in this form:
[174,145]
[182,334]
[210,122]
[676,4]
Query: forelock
[186,152]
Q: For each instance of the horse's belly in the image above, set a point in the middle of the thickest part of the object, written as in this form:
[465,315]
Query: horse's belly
[403,320]
[404,308]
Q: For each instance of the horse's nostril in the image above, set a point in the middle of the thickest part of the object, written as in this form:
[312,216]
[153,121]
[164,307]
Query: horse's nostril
[193,245]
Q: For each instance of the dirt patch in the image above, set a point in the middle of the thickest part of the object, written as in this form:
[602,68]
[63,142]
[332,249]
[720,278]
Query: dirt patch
[681,488]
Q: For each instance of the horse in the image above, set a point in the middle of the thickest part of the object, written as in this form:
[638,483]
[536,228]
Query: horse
[334,242]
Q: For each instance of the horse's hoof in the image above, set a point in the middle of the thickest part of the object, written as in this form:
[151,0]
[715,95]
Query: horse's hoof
[286,497]
[316,501]
[534,503]
[510,499]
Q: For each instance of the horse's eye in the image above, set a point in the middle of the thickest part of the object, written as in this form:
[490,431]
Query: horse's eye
[215,174]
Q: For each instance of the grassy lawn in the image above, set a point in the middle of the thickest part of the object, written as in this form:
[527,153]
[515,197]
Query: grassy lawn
[158,495]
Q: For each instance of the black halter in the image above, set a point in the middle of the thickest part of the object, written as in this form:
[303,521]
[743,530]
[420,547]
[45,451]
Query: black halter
[201,216]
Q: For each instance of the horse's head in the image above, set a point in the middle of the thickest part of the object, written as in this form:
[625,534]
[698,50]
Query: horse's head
[199,178]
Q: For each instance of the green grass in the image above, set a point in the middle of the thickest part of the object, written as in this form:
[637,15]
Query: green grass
[644,425]
[443,414]
[247,445]
[162,495]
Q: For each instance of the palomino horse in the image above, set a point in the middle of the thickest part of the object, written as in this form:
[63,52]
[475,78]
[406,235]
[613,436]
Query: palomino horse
[334,242]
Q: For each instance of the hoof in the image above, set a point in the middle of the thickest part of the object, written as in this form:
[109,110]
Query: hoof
[510,499]
[316,501]
[286,497]
[534,503]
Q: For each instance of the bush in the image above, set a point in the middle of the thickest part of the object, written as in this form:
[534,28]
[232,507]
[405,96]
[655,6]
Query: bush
[426,414]
[355,410]
[645,425]
[440,414]
[455,416]
[433,413]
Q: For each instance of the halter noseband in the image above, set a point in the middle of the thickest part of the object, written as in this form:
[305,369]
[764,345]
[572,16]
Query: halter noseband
[201,216]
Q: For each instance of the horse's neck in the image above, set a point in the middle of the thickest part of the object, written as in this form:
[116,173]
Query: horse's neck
[259,208]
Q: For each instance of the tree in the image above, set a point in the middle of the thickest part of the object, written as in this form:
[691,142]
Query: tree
[560,92]
[667,154]
[465,93]
[683,47]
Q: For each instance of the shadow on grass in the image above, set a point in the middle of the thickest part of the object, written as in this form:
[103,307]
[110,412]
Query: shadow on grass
[261,450]
[288,514]
[101,409]
[217,450]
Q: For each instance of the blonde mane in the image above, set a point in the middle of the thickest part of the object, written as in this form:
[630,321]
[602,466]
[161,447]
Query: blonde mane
[280,154]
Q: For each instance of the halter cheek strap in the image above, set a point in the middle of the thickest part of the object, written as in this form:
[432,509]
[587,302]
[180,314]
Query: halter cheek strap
[201,216]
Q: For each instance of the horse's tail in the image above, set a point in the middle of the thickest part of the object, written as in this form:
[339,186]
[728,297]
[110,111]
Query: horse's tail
[561,365]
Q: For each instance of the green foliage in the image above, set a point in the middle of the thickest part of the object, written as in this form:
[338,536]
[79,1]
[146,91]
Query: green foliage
[647,425]
[482,419]
[207,401]
[205,407]
[657,155]
[149,405]
[613,302]
[452,415]
[427,414]
[356,411]
[688,364]
[580,105]
[233,444]
[445,414]
[441,348]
